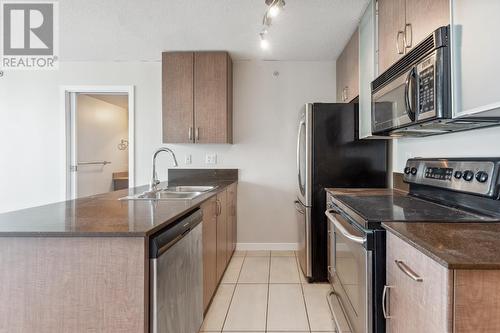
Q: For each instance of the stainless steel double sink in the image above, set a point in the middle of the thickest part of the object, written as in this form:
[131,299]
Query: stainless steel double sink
[172,193]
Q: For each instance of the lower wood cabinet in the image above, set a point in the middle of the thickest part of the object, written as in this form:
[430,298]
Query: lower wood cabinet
[423,296]
[210,280]
[219,238]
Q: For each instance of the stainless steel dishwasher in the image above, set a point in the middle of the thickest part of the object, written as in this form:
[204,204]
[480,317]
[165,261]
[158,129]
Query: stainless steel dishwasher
[176,273]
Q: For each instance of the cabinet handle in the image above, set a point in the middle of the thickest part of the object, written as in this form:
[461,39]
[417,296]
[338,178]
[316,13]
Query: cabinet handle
[385,298]
[408,41]
[197,133]
[190,133]
[408,271]
[219,208]
[400,33]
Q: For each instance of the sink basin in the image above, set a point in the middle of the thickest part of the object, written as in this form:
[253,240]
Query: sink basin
[164,195]
[188,189]
[172,193]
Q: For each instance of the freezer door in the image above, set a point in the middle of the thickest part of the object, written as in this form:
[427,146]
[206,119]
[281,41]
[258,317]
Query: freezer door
[304,155]
[303,217]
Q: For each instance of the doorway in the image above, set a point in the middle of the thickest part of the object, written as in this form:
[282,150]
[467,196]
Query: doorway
[99,140]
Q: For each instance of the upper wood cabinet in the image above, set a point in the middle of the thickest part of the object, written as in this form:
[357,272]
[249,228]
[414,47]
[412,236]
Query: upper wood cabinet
[402,24]
[197,97]
[348,71]
[177,88]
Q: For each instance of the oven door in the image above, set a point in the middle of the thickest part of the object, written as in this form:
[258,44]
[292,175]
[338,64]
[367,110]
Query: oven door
[350,272]
[395,104]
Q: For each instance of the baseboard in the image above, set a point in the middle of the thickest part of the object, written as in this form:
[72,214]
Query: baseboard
[267,246]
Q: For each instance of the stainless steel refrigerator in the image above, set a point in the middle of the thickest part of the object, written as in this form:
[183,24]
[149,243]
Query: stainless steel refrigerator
[329,154]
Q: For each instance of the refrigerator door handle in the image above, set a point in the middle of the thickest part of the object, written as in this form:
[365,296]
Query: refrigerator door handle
[301,125]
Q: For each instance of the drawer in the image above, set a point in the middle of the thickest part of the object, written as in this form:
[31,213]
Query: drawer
[420,290]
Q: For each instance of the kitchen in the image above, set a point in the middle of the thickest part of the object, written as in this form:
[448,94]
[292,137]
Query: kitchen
[222,91]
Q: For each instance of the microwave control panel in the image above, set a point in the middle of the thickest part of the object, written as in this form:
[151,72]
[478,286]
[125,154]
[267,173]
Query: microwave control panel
[426,90]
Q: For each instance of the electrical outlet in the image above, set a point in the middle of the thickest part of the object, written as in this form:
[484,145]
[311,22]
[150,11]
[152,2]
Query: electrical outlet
[188,159]
[211,158]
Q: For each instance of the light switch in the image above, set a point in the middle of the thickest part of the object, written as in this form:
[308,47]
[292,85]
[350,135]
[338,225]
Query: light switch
[211,158]
[188,159]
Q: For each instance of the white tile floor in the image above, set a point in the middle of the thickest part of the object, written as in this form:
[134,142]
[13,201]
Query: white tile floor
[265,291]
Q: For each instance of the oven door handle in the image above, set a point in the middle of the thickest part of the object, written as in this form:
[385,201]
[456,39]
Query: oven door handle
[357,239]
[411,113]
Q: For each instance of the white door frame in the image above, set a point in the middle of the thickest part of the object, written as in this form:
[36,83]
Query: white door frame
[68,94]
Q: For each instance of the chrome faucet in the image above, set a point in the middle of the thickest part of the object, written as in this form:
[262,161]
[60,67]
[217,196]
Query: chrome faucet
[153,185]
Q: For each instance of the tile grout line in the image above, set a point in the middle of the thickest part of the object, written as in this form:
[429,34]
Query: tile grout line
[268,289]
[234,291]
[303,294]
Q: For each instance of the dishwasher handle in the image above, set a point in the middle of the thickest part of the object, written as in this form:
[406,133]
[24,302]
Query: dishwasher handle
[165,239]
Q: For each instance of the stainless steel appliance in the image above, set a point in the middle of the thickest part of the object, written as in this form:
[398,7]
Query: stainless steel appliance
[413,97]
[176,273]
[441,190]
[329,154]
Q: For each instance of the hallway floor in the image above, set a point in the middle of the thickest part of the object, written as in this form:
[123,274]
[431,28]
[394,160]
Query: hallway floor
[265,291]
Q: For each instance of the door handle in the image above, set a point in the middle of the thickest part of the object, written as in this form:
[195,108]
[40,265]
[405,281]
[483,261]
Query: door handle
[406,39]
[298,208]
[398,36]
[408,271]
[408,105]
[385,298]
[343,230]
[190,133]
[197,134]
[301,124]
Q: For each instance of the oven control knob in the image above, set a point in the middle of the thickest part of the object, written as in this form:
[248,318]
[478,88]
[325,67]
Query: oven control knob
[413,171]
[407,170]
[458,174]
[468,175]
[481,176]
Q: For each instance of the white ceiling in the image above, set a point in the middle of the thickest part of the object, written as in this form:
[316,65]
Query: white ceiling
[139,30]
[115,99]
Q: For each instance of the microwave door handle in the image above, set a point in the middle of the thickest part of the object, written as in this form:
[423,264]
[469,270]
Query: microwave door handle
[409,111]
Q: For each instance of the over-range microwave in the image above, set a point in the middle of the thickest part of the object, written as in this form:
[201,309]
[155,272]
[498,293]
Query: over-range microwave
[413,96]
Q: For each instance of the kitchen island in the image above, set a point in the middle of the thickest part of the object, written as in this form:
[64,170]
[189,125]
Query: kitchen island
[83,265]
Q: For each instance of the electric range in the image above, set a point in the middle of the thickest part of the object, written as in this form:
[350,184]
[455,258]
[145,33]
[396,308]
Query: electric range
[441,190]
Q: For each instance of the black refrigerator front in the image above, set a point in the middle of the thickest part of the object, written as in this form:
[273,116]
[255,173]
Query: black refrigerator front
[329,154]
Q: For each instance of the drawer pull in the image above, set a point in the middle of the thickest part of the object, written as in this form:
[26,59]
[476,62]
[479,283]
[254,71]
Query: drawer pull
[386,300]
[408,271]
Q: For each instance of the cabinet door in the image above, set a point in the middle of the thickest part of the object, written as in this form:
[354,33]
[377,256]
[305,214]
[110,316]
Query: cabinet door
[177,95]
[212,97]
[352,76]
[391,21]
[231,218]
[209,250]
[341,70]
[416,306]
[423,17]
[222,257]
[367,63]
[348,71]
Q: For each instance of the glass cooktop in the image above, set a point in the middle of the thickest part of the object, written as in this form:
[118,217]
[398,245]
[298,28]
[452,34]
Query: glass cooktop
[405,208]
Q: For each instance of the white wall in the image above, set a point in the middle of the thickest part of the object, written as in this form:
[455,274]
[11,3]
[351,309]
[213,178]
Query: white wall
[32,144]
[100,127]
[477,143]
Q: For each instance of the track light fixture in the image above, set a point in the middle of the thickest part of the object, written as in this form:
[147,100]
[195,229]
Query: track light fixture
[274,8]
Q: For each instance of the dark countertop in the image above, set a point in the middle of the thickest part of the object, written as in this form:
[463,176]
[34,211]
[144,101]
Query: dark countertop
[460,243]
[453,245]
[102,215]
